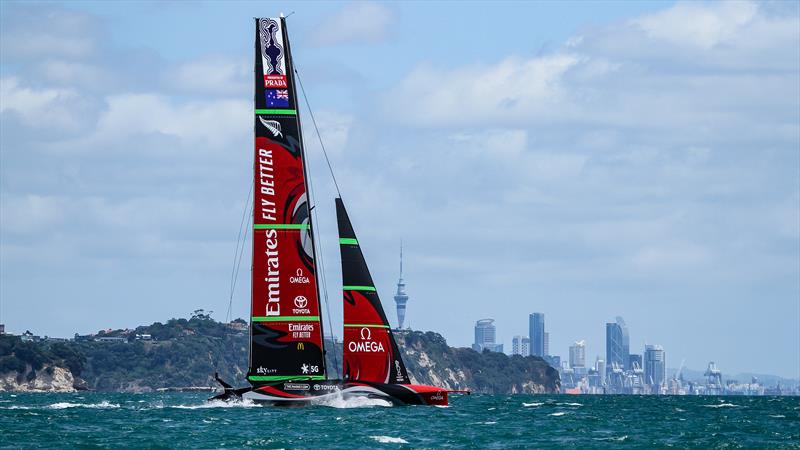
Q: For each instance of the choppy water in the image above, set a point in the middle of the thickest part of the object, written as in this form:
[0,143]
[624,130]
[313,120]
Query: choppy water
[177,420]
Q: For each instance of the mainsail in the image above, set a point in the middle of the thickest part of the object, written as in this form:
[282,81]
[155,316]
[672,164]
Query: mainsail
[370,351]
[286,331]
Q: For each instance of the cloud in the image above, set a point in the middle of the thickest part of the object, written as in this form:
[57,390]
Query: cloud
[211,75]
[356,23]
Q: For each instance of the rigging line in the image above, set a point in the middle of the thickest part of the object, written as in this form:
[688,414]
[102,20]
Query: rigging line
[241,254]
[237,253]
[323,279]
[319,136]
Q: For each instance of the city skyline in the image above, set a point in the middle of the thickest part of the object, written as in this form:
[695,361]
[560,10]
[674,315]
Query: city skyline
[585,160]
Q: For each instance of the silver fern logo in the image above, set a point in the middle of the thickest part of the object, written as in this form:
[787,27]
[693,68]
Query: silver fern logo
[273,126]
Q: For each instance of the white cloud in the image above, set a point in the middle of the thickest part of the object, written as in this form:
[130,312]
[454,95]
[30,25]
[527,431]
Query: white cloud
[211,75]
[696,24]
[54,106]
[356,23]
[508,90]
[204,124]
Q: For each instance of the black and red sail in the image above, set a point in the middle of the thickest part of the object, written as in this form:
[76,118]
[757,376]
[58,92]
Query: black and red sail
[286,331]
[370,351]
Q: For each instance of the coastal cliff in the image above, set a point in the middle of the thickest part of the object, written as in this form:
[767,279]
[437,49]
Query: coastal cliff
[49,379]
[185,353]
[430,360]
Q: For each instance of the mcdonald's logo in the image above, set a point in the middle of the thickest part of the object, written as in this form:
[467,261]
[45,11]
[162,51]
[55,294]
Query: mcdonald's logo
[300,346]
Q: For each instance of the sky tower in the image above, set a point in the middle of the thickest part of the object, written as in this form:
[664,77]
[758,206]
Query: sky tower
[400,297]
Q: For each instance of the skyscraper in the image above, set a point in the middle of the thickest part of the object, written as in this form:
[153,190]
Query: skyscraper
[400,297]
[617,344]
[520,345]
[546,343]
[577,355]
[536,333]
[485,336]
[655,365]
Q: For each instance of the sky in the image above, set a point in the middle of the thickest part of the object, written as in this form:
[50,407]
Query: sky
[580,159]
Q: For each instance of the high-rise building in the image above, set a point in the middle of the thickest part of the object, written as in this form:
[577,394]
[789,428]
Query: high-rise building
[536,333]
[520,345]
[400,298]
[600,366]
[655,365]
[485,332]
[546,343]
[617,345]
[577,355]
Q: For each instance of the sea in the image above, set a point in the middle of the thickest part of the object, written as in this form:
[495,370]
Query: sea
[91,420]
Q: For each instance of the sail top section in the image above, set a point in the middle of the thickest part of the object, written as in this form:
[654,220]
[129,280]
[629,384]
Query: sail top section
[370,350]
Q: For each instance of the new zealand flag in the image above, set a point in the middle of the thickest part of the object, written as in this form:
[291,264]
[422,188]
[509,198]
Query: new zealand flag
[277,97]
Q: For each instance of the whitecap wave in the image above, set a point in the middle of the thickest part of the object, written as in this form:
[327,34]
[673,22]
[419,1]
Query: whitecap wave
[389,440]
[722,405]
[569,404]
[612,438]
[105,404]
[534,404]
[777,416]
[557,414]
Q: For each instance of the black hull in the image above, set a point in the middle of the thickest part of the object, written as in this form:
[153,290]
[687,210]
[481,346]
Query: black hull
[299,393]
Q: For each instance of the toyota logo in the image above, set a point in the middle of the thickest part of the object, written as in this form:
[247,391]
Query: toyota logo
[300,301]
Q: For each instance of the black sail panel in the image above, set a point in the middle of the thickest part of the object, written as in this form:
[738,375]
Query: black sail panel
[370,350]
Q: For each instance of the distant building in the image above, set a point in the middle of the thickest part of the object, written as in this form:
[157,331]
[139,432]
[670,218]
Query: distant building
[520,345]
[144,337]
[546,343]
[401,298]
[485,333]
[553,360]
[112,339]
[536,333]
[27,336]
[600,366]
[635,361]
[238,325]
[655,365]
[617,344]
[83,338]
[577,355]
[2,329]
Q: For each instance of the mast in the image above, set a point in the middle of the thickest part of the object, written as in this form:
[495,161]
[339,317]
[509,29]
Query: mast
[285,327]
[370,350]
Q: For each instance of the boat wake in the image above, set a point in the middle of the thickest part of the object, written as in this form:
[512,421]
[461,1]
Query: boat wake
[220,404]
[339,401]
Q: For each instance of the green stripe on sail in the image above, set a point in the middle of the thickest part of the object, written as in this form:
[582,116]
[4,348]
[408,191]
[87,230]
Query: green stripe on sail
[281,226]
[283,112]
[285,318]
[285,377]
[364,325]
[359,288]
[350,241]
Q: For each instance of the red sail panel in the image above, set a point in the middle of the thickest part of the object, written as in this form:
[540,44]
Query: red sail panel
[368,343]
[370,351]
[286,332]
